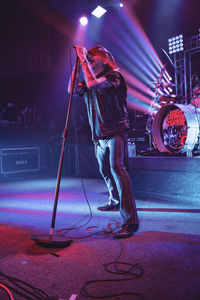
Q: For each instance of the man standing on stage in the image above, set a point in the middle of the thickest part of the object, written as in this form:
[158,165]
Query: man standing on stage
[104,91]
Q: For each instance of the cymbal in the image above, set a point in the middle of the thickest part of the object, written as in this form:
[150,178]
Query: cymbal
[168,84]
[164,84]
[196,89]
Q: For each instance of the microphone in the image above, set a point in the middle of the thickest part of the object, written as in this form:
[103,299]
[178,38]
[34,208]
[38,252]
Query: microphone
[74,47]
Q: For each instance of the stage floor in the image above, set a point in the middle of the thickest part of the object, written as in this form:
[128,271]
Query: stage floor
[167,244]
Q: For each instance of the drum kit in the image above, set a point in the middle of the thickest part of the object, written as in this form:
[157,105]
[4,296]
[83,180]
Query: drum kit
[175,127]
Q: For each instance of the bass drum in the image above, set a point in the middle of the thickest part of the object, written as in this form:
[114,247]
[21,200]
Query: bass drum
[176,128]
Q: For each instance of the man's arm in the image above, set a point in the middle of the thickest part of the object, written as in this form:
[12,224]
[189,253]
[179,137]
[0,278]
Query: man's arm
[89,76]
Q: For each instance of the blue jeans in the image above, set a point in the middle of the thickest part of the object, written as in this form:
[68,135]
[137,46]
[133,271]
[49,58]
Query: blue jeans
[110,157]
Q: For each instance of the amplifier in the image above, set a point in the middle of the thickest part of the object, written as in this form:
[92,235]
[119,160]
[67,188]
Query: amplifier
[16,160]
[81,161]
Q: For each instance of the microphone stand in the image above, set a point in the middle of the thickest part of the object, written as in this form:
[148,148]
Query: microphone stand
[52,240]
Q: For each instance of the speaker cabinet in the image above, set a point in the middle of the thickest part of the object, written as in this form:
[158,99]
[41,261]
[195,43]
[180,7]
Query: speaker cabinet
[81,161]
[18,160]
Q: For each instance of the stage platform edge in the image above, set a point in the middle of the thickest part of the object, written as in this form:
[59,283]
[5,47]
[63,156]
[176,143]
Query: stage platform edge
[166,178]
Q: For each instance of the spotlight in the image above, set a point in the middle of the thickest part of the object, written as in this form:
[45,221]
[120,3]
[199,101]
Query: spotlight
[121,4]
[175,44]
[99,11]
[83,21]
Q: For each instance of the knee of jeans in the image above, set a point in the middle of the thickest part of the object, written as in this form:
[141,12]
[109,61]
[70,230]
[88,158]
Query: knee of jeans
[102,170]
[117,168]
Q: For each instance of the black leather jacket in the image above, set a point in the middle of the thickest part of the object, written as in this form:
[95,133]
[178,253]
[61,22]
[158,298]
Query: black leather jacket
[107,107]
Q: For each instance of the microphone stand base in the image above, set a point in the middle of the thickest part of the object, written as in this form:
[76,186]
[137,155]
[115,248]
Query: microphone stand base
[51,241]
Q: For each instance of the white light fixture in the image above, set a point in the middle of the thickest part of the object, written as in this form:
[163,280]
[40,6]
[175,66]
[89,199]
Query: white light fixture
[175,44]
[83,21]
[99,11]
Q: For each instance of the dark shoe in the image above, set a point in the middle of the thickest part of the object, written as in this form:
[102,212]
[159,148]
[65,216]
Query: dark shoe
[126,231]
[109,207]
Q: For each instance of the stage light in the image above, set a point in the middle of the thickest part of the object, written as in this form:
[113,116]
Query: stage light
[175,44]
[83,21]
[135,55]
[99,11]
[121,4]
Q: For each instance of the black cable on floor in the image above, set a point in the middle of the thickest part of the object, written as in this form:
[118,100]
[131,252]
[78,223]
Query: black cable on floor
[84,290]
[25,289]
[105,231]
[134,271]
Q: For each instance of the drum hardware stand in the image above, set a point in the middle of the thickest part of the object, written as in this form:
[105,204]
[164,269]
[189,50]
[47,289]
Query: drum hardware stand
[196,95]
[160,85]
[52,240]
[152,111]
[150,121]
[196,150]
[149,132]
[171,62]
